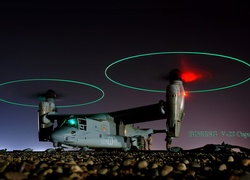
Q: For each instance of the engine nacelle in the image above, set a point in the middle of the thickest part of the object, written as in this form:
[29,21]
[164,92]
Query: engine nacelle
[174,107]
[45,126]
[130,131]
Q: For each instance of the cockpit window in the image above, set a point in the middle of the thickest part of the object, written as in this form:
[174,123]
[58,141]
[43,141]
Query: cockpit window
[83,124]
[72,122]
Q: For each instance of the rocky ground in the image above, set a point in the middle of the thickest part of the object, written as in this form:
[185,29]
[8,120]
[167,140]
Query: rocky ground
[124,165]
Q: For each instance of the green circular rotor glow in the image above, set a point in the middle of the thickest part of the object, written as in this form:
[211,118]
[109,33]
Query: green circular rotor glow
[57,80]
[176,52]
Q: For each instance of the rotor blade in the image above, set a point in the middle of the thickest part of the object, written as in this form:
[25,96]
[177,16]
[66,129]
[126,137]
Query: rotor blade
[190,71]
[187,71]
[48,93]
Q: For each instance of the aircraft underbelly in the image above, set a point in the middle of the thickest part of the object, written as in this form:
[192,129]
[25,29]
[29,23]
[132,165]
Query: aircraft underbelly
[106,141]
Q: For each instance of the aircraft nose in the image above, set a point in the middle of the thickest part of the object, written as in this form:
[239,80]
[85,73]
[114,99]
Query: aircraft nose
[57,136]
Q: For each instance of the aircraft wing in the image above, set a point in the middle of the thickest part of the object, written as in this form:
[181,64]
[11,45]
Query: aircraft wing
[128,116]
[139,114]
[61,117]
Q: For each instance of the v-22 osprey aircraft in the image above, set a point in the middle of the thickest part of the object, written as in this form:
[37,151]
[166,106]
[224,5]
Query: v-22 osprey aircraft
[112,130]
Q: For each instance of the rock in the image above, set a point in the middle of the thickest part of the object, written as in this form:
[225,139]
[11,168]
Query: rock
[128,162]
[230,159]
[113,173]
[154,166]
[142,164]
[3,165]
[90,162]
[245,162]
[15,176]
[195,165]
[102,171]
[190,173]
[75,176]
[115,168]
[181,167]
[84,168]
[222,167]
[186,161]
[43,165]
[47,171]
[71,162]
[208,168]
[245,177]
[26,167]
[75,169]
[166,170]
[92,172]
[59,170]
[205,161]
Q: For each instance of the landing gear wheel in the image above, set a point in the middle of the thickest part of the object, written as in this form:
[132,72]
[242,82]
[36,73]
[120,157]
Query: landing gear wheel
[168,143]
[84,149]
[128,144]
[60,149]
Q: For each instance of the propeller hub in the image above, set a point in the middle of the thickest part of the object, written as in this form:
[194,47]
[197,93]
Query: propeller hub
[50,94]
[174,75]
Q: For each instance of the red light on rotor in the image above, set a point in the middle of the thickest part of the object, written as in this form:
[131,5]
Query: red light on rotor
[183,94]
[189,76]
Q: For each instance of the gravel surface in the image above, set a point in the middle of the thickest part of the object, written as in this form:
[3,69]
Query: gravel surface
[123,165]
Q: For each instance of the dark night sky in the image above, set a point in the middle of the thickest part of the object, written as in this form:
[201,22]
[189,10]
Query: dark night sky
[77,41]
